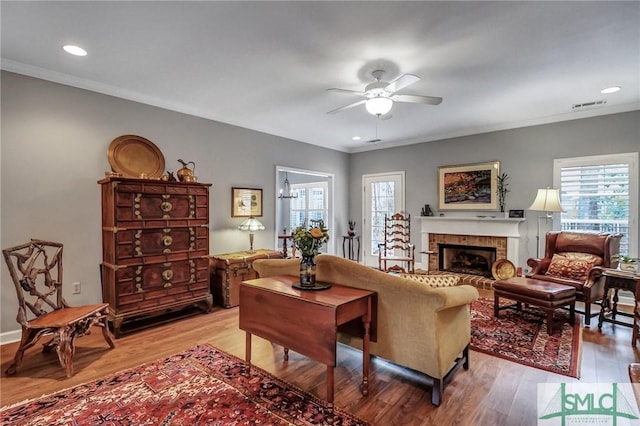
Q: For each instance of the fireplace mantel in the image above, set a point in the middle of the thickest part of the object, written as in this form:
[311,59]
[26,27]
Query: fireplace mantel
[478,225]
[470,225]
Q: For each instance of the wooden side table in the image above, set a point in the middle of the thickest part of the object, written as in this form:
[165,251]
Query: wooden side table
[353,251]
[307,321]
[617,280]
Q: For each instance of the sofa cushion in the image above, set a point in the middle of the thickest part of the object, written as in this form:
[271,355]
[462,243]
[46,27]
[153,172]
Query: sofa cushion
[433,280]
[572,265]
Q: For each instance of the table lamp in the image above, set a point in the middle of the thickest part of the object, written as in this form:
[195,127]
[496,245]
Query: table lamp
[547,200]
[251,224]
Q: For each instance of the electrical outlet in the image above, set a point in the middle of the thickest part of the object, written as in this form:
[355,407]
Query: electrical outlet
[76,288]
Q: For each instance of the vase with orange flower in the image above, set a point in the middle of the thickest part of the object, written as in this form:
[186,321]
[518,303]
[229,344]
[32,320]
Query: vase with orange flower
[309,241]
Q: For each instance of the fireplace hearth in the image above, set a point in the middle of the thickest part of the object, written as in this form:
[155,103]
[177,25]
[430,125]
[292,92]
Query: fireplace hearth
[462,259]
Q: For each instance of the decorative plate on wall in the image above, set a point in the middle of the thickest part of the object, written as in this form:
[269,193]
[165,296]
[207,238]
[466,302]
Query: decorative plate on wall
[503,269]
[134,157]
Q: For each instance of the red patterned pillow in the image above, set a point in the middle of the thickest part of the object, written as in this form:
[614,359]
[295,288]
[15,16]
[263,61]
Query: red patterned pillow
[587,257]
[570,267]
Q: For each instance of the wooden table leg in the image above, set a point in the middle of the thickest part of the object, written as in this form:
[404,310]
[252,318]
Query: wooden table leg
[330,370]
[614,309]
[365,350]
[247,349]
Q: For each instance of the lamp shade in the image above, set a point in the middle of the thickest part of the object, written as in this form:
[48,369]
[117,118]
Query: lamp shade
[547,200]
[379,105]
[251,224]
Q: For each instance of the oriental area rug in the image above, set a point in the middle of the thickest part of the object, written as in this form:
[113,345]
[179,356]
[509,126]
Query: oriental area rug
[200,386]
[521,336]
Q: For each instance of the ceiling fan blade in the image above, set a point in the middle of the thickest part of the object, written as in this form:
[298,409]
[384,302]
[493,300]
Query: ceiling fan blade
[401,82]
[415,99]
[355,104]
[350,92]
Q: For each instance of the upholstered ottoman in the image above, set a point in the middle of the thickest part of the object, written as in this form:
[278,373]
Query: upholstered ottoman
[546,295]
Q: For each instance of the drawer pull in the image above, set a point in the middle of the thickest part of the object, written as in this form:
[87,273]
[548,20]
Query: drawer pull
[167,285]
[139,288]
[167,274]
[166,206]
[167,240]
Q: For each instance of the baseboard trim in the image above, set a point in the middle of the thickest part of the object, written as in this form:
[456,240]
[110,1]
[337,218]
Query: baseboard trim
[10,337]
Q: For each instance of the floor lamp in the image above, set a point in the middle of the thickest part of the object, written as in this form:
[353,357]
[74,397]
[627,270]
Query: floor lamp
[547,200]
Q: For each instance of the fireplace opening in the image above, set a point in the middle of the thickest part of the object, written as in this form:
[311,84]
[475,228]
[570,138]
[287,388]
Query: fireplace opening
[473,260]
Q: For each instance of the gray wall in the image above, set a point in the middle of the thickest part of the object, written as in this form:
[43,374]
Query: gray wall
[525,154]
[55,139]
[54,150]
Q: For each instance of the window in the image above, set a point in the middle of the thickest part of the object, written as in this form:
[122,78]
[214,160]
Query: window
[311,203]
[600,193]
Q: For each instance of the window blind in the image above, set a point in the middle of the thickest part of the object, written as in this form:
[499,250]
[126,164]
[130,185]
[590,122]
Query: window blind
[596,197]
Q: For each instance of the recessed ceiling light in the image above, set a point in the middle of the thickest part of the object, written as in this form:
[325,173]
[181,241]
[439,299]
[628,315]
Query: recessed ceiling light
[612,89]
[356,138]
[74,50]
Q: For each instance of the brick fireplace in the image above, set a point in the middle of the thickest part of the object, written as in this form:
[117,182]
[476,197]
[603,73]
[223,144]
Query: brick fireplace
[471,234]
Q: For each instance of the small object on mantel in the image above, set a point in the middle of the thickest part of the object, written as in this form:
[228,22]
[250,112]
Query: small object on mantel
[426,211]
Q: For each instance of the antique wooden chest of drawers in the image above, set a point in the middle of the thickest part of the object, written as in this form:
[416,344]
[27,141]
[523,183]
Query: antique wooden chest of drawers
[155,247]
[230,269]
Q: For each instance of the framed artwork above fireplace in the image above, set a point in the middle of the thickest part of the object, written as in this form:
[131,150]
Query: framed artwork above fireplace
[468,186]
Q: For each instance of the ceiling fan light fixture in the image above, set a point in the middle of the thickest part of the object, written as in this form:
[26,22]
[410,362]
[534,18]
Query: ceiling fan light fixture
[379,105]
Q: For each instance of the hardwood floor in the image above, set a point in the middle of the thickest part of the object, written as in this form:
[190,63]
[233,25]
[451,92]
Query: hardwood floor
[491,392]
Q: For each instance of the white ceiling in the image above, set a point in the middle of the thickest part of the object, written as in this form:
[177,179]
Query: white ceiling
[266,65]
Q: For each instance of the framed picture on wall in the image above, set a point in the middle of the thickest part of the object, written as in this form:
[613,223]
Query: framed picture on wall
[246,202]
[468,186]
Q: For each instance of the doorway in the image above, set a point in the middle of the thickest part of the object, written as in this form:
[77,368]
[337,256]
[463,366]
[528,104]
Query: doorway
[310,198]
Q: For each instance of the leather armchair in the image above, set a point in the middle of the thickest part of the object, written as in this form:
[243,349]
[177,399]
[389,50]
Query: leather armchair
[598,248]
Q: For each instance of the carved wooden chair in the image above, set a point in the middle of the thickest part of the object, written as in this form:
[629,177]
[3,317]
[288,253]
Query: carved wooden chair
[36,271]
[397,247]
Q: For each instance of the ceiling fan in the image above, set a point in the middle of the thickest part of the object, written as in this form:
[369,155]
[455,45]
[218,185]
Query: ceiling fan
[380,95]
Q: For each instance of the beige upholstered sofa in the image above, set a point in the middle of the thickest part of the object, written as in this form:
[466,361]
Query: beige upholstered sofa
[424,328]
